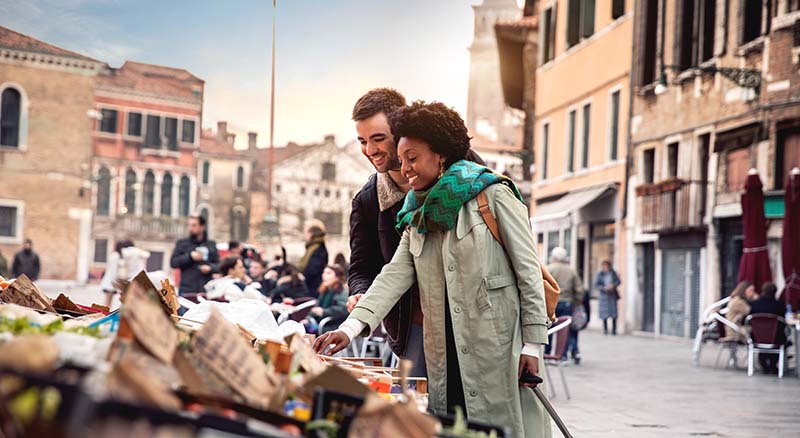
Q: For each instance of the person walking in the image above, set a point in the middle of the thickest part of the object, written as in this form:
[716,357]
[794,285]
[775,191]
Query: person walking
[26,261]
[571,297]
[483,303]
[607,283]
[4,272]
[315,259]
[124,263]
[196,256]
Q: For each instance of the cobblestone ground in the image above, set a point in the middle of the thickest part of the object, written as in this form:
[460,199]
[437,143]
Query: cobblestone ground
[629,386]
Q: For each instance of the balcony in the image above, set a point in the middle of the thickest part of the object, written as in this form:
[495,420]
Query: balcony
[152,227]
[671,206]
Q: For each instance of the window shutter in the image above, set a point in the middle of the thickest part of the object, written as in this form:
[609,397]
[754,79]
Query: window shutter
[677,33]
[740,22]
[587,18]
[721,31]
[553,30]
[573,22]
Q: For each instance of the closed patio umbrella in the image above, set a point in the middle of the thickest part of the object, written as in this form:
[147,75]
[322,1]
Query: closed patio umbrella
[754,265]
[790,245]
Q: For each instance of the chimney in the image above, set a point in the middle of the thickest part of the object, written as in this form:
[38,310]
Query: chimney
[251,140]
[222,130]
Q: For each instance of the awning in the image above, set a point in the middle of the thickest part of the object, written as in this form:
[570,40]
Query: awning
[556,214]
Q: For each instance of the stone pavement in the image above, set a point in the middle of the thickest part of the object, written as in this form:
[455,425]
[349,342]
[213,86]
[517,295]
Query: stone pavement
[630,386]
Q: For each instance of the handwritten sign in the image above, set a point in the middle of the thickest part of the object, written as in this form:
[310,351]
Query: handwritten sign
[305,356]
[22,291]
[143,283]
[149,324]
[169,297]
[220,347]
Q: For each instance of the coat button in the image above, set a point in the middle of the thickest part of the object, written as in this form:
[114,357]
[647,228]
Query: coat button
[457,309]
[473,393]
[451,268]
[465,350]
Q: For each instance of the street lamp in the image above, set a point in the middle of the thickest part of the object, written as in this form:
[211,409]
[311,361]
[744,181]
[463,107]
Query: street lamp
[743,77]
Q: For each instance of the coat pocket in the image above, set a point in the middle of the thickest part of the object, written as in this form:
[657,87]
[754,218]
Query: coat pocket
[491,298]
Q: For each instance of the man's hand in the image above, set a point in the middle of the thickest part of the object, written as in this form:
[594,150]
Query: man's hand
[352,301]
[331,343]
[531,364]
[205,269]
[196,256]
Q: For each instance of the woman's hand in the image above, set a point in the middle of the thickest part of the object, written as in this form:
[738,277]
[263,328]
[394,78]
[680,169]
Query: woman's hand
[332,342]
[531,364]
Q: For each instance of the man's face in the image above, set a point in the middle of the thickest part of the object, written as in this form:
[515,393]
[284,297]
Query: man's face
[377,143]
[257,270]
[195,229]
[27,245]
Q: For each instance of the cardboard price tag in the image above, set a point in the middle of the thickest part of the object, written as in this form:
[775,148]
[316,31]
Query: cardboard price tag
[305,356]
[23,292]
[166,295]
[220,347]
[149,325]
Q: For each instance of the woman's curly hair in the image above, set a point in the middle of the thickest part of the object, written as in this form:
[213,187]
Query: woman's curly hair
[434,123]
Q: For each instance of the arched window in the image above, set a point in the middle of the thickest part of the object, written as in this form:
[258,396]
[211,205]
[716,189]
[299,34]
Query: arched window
[183,197]
[166,195]
[149,193]
[103,191]
[10,117]
[206,172]
[240,177]
[204,213]
[239,225]
[130,191]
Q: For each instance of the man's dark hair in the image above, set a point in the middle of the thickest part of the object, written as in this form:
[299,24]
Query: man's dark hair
[233,244]
[377,100]
[769,290]
[200,219]
[227,264]
[29,241]
[436,124]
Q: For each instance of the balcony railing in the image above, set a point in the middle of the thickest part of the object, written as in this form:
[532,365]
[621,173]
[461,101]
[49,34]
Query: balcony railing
[671,206]
[156,227]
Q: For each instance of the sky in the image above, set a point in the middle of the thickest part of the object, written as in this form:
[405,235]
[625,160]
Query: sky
[329,52]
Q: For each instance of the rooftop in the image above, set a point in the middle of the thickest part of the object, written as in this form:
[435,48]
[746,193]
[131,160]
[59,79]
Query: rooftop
[14,40]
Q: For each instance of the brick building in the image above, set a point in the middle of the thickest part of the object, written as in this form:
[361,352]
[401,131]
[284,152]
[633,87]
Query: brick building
[144,168]
[696,132]
[45,153]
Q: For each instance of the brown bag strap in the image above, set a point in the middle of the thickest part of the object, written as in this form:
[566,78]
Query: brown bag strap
[488,217]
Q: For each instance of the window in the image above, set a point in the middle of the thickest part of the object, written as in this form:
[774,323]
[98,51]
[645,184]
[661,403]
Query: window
[103,192]
[302,190]
[647,55]
[617,8]
[787,155]
[206,172]
[130,192]
[613,126]
[750,18]
[277,188]
[156,261]
[695,32]
[10,117]
[9,217]
[148,193]
[571,141]
[648,166]
[327,193]
[100,250]
[672,160]
[737,163]
[316,192]
[183,196]
[549,36]
[109,121]
[329,171]
[580,21]
[171,133]
[552,241]
[792,5]
[153,136]
[240,177]
[587,120]
[166,195]
[204,213]
[187,131]
[135,124]
[684,33]
[708,23]
[239,225]
[545,146]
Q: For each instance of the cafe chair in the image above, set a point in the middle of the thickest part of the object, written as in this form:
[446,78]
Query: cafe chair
[765,339]
[560,332]
[298,312]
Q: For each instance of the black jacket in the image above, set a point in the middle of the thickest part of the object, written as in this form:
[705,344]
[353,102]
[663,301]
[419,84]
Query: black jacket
[26,262]
[773,307]
[313,272]
[192,280]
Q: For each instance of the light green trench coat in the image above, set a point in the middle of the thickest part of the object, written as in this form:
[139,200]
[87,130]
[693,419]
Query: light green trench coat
[496,302]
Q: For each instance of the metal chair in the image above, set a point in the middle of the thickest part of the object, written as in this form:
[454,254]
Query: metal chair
[299,312]
[764,338]
[712,328]
[560,332]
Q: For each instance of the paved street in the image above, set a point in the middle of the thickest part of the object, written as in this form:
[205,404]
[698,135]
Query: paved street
[629,386]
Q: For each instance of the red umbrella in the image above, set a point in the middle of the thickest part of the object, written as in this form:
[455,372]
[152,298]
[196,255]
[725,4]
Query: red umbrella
[754,266]
[791,236]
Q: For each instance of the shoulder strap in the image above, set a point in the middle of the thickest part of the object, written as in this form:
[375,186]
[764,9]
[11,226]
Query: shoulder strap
[488,217]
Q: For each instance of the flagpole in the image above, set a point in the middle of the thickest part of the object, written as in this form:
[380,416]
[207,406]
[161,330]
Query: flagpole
[271,152]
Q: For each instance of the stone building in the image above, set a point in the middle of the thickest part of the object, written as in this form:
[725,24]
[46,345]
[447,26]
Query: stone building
[146,138]
[696,131]
[45,153]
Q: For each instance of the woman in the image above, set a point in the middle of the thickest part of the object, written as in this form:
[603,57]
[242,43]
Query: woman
[233,285]
[332,301]
[316,257]
[484,309]
[738,308]
[606,283]
[124,263]
[290,284]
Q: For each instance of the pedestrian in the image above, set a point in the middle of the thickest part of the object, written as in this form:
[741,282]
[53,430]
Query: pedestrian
[332,302]
[316,257]
[483,305]
[766,303]
[290,285]
[26,261]
[196,256]
[373,239]
[258,271]
[126,262]
[4,272]
[738,309]
[236,248]
[607,284]
[341,261]
[571,297]
[234,284]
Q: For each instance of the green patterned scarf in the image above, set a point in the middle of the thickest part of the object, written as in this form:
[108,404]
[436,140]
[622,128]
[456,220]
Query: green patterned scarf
[436,209]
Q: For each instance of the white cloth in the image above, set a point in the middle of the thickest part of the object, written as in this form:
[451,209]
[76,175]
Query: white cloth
[227,288]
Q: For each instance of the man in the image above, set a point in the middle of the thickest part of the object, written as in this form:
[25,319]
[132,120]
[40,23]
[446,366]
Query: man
[373,239]
[571,296]
[258,271]
[26,262]
[766,303]
[196,256]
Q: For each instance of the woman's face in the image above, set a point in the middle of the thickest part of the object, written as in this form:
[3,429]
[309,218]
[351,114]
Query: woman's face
[328,276]
[419,164]
[606,267]
[238,270]
[750,292]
